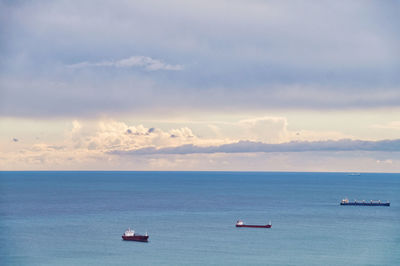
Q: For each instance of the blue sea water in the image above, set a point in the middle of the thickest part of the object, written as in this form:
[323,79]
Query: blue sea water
[77,218]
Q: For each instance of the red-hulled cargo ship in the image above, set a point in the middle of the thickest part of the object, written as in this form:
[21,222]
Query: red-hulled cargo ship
[241,224]
[131,236]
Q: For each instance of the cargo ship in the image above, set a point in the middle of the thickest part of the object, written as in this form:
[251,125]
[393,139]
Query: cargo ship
[364,203]
[130,235]
[241,224]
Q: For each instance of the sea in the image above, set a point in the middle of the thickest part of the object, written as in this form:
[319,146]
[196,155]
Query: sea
[77,218]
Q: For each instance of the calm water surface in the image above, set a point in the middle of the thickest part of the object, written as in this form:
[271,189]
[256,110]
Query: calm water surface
[77,218]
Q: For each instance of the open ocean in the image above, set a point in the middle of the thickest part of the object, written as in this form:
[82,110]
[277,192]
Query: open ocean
[77,218]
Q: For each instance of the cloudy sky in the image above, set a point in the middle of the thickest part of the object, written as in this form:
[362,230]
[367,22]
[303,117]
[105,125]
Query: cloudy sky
[245,85]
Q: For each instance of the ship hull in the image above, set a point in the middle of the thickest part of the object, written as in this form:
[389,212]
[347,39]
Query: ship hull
[136,238]
[255,226]
[366,203]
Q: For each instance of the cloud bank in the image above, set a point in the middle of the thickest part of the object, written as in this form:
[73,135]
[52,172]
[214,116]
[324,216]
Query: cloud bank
[252,147]
[115,145]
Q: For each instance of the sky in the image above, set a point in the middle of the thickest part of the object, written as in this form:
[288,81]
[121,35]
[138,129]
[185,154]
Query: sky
[239,85]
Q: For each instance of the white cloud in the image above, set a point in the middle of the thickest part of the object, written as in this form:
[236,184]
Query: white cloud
[110,135]
[387,161]
[144,62]
[309,135]
[391,125]
[270,129]
[266,129]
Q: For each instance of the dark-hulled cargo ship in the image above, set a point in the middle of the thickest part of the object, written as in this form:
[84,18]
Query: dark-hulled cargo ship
[241,224]
[364,203]
[131,236]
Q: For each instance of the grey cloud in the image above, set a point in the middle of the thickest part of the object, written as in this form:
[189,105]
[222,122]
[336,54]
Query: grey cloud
[92,146]
[136,133]
[251,147]
[56,147]
[246,54]
[90,96]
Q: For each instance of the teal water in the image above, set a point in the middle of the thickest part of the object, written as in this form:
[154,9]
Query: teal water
[77,218]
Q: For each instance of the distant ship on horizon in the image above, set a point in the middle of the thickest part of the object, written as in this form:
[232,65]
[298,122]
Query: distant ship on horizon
[364,203]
